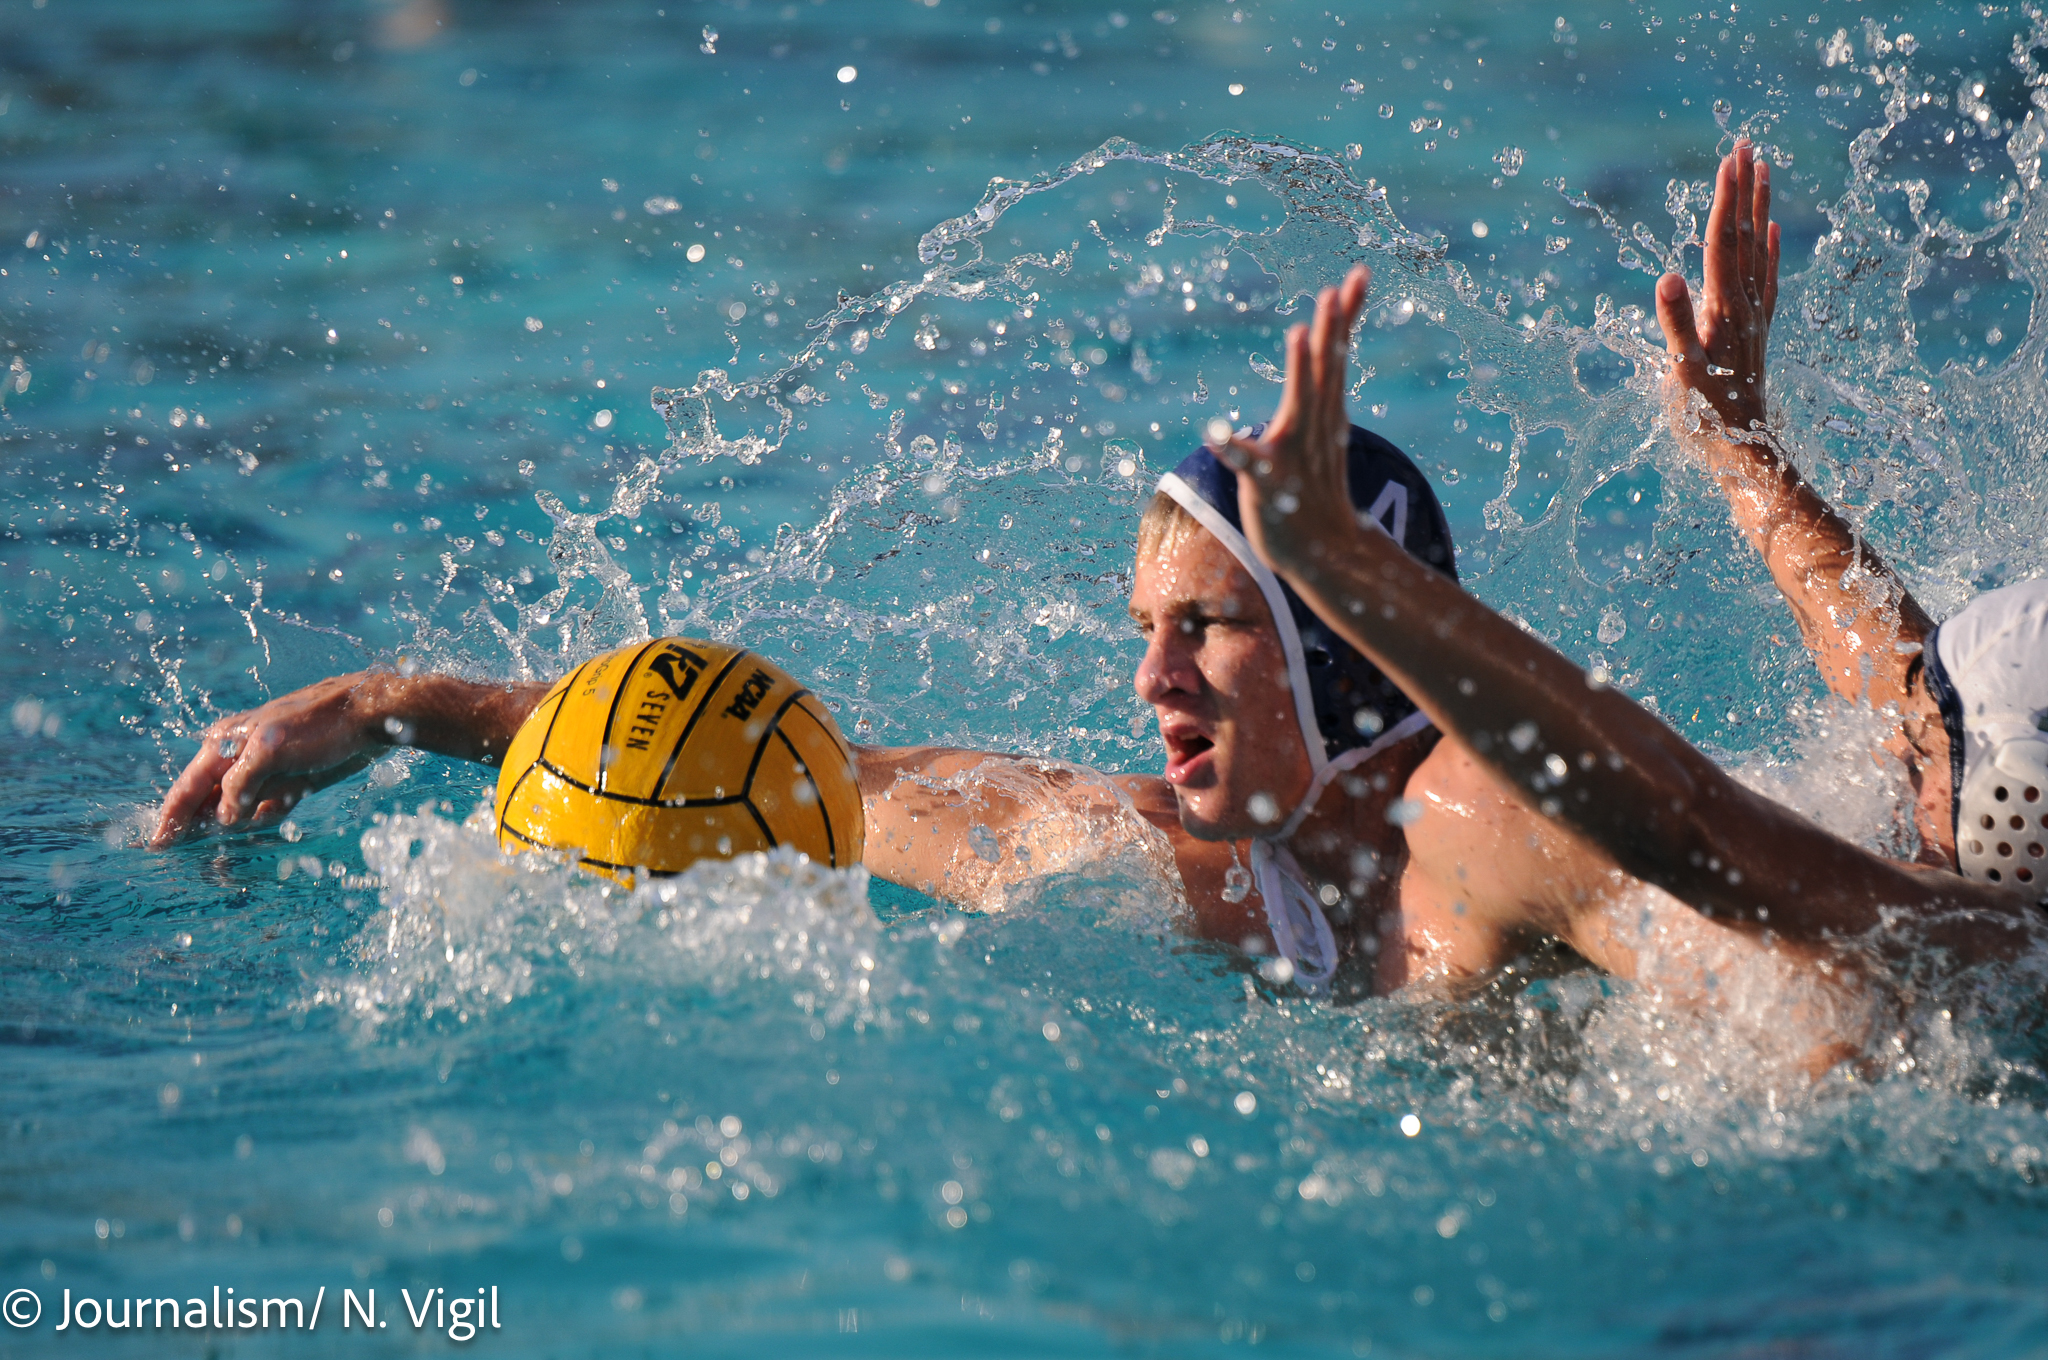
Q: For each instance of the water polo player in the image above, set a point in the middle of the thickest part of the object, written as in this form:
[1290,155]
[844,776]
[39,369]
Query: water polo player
[1967,699]
[1368,772]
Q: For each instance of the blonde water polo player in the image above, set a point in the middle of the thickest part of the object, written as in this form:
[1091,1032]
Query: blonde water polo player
[1522,805]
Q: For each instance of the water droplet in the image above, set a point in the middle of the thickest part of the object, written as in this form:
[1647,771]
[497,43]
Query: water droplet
[1404,812]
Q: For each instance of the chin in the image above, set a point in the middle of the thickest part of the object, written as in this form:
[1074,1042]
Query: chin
[1198,820]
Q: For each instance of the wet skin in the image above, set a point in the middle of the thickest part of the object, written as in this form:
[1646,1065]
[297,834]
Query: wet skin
[1649,851]
[1861,624]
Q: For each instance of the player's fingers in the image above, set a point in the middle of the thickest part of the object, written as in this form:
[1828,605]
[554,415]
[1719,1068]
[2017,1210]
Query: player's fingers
[273,808]
[1335,338]
[189,795]
[1760,219]
[1720,238]
[1745,223]
[1287,419]
[241,786]
[1674,314]
[1301,368]
[1350,304]
[1771,279]
[1357,284]
[1240,454]
[1321,345]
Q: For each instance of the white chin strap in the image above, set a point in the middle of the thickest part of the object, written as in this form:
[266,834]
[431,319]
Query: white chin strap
[1300,930]
[2002,816]
[1294,914]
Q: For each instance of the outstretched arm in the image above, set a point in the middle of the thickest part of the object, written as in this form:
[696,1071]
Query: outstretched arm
[259,763]
[1585,755]
[969,827]
[965,826]
[1856,617]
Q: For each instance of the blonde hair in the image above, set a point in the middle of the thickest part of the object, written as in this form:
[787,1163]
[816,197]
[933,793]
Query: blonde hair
[1166,524]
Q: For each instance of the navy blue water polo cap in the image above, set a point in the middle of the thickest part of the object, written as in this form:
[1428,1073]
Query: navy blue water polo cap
[1342,700]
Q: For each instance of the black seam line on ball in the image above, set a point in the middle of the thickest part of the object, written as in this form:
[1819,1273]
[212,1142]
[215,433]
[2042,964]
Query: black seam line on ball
[774,728]
[594,863]
[604,745]
[561,700]
[817,795]
[761,822]
[517,834]
[609,796]
[517,784]
[710,690]
[838,742]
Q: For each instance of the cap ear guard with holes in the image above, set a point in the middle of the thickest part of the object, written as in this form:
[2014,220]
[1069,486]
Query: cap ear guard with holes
[1987,669]
[2002,817]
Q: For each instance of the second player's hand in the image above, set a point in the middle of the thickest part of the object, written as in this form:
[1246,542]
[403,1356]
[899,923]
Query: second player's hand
[1717,347]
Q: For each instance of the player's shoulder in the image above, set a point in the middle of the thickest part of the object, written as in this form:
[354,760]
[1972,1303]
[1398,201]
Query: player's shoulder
[1474,834]
[1153,799]
[1451,772]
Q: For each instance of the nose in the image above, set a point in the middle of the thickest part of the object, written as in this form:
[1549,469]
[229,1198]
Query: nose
[1163,669]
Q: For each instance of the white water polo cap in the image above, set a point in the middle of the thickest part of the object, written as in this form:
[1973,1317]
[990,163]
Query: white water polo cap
[1988,670]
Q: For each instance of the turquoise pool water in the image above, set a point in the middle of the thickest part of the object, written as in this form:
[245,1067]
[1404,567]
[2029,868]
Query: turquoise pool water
[330,336]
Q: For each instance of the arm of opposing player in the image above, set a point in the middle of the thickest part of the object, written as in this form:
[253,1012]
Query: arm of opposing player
[1587,756]
[1854,614]
[257,764]
[1596,761]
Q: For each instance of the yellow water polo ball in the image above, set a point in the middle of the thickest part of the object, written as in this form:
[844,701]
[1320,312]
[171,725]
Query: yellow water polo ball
[663,753]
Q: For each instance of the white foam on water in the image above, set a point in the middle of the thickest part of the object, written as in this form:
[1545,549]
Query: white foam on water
[465,930]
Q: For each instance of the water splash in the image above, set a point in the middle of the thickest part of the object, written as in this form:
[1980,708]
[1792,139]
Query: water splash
[464,931]
[964,584]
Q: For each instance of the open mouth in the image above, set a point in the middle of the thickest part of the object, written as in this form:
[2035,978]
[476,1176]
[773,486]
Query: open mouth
[1187,753]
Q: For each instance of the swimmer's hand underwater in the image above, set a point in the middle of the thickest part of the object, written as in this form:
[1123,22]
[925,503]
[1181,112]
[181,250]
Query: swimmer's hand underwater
[253,767]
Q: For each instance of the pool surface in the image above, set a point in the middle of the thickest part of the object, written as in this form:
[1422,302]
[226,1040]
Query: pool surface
[484,337]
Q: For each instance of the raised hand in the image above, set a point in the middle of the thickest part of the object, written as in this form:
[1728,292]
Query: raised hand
[1717,347]
[1292,479]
